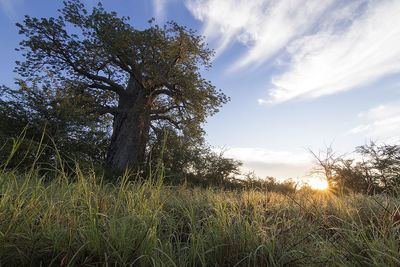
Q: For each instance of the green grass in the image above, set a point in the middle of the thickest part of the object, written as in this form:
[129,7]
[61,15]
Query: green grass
[88,222]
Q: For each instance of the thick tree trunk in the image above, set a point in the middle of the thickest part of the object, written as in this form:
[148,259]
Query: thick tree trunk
[130,129]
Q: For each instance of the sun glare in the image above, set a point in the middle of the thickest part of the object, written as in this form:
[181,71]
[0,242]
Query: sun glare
[319,184]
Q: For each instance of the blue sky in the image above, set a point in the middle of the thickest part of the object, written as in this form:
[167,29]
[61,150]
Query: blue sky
[300,74]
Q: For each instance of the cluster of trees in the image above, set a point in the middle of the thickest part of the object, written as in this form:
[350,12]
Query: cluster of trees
[376,170]
[269,183]
[102,92]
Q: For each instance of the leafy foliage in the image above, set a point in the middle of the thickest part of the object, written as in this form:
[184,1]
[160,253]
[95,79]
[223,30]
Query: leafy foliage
[54,118]
[189,159]
[382,163]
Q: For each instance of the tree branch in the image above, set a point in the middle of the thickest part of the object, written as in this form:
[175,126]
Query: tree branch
[166,118]
[113,86]
[163,111]
[96,85]
[167,89]
[107,109]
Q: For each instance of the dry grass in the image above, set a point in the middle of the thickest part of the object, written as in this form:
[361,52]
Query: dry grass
[87,222]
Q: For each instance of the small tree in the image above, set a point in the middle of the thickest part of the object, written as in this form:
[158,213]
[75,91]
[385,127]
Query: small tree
[185,158]
[379,169]
[383,163]
[65,119]
[326,161]
[143,78]
[217,168]
[352,176]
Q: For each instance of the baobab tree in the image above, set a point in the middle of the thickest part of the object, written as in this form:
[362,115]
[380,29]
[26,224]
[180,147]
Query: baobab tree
[144,78]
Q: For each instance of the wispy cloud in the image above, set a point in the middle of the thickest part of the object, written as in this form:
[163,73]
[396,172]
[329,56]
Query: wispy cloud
[266,155]
[264,26]
[320,47]
[159,9]
[329,62]
[381,123]
[90,3]
[9,7]
[280,164]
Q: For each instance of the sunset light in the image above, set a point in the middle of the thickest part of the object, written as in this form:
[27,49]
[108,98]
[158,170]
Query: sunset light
[319,184]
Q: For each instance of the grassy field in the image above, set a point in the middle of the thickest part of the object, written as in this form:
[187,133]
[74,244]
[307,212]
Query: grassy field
[83,221]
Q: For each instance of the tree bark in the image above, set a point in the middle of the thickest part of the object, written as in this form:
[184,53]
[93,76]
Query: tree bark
[130,129]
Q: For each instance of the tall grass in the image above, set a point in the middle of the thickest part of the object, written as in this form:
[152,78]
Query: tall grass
[87,222]
[79,219]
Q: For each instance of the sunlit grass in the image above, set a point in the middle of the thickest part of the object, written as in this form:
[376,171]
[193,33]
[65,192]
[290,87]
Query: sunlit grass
[88,222]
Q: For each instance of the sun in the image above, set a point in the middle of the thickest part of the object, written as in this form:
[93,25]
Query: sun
[317,183]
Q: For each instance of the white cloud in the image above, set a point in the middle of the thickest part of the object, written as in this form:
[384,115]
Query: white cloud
[265,155]
[265,162]
[382,111]
[159,9]
[328,62]
[381,123]
[322,47]
[261,101]
[89,4]
[265,26]
[9,7]
[360,129]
